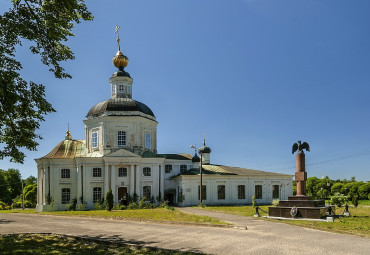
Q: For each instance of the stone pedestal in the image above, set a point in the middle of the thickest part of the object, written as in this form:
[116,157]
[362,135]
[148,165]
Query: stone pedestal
[306,208]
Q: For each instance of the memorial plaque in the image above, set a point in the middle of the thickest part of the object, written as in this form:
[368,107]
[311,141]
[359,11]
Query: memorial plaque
[301,176]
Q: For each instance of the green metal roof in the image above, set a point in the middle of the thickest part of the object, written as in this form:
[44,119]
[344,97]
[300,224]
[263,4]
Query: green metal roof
[230,170]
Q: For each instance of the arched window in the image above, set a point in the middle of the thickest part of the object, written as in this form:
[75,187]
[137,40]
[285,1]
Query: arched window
[147,141]
[147,171]
[94,140]
[66,195]
[121,138]
[97,191]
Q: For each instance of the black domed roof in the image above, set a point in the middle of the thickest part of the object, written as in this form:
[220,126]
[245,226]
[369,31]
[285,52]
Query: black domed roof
[195,159]
[205,149]
[119,104]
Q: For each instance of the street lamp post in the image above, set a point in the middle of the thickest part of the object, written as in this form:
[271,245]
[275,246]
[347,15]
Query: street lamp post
[201,173]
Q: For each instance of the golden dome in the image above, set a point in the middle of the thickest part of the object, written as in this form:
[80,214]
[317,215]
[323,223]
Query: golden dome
[68,135]
[120,60]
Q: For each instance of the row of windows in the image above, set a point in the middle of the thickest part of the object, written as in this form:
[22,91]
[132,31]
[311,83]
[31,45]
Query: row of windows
[97,172]
[168,168]
[221,192]
[147,192]
[121,139]
[97,194]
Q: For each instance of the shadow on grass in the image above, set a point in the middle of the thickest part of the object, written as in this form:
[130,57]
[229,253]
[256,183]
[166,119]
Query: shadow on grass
[61,244]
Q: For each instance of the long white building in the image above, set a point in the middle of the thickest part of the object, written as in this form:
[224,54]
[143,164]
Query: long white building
[119,152]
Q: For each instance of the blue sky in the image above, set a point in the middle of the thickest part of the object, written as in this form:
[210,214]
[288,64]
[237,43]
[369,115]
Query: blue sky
[254,76]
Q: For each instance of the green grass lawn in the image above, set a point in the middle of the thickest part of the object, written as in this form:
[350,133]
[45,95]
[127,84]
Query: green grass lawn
[157,214]
[56,244]
[358,224]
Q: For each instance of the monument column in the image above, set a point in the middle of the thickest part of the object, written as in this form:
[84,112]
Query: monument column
[301,175]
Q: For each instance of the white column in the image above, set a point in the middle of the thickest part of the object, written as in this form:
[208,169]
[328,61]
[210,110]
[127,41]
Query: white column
[44,170]
[132,179]
[113,182]
[79,186]
[161,168]
[39,185]
[138,180]
[106,179]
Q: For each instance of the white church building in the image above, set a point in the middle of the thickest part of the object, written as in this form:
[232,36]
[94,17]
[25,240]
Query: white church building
[119,152]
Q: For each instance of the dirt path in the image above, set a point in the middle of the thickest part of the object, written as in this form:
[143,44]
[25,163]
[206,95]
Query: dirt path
[262,237]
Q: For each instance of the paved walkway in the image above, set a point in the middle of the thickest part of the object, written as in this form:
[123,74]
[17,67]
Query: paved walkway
[262,237]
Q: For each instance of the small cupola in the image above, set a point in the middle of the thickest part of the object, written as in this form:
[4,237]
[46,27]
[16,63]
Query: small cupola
[205,151]
[68,135]
[121,81]
[195,160]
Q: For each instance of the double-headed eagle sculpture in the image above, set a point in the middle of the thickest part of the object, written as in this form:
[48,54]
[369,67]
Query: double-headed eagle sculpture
[300,147]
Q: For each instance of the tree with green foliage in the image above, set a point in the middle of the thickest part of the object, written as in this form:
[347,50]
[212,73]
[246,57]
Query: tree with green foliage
[47,24]
[355,200]
[109,200]
[4,189]
[364,190]
[311,186]
[13,180]
[322,193]
[30,180]
[336,187]
[30,193]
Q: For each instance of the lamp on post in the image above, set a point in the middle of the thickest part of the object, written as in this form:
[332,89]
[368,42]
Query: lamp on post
[201,173]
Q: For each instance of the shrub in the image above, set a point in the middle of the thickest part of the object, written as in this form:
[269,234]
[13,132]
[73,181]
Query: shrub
[109,200]
[116,206]
[82,207]
[133,198]
[142,203]
[275,202]
[132,206]
[254,202]
[2,205]
[98,206]
[122,207]
[166,206]
[71,206]
[338,199]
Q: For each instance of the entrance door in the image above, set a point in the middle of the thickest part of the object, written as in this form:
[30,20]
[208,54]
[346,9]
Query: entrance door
[122,195]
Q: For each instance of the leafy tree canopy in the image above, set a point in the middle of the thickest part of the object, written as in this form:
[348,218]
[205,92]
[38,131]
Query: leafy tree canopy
[14,182]
[30,193]
[47,24]
[30,180]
